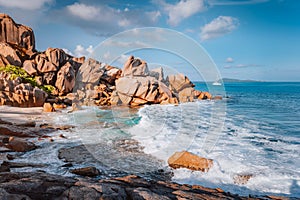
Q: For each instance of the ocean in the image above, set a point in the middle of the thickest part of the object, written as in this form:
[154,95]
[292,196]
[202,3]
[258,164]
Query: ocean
[254,131]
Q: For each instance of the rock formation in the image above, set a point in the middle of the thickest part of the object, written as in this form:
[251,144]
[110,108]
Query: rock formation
[90,82]
[17,34]
[191,161]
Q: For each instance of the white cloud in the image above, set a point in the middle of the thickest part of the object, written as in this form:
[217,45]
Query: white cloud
[103,20]
[80,51]
[25,4]
[219,27]
[154,15]
[135,44]
[229,60]
[124,23]
[83,11]
[182,10]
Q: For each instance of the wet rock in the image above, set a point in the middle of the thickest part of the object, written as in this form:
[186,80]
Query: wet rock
[20,145]
[186,95]
[217,98]
[190,161]
[76,107]
[242,179]
[86,171]
[48,107]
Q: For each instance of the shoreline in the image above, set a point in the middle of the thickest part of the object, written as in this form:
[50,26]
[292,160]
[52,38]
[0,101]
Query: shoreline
[21,117]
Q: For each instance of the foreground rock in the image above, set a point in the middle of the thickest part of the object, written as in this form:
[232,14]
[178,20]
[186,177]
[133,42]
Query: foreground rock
[39,185]
[190,161]
[86,171]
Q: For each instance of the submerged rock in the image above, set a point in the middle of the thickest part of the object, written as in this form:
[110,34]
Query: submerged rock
[190,161]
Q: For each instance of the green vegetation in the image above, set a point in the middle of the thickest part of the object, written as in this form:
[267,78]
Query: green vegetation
[16,72]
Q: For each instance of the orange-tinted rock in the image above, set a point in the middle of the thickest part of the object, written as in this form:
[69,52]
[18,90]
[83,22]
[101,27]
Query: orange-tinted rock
[186,95]
[48,107]
[204,95]
[30,67]
[217,98]
[191,161]
[56,56]
[59,106]
[9,55]
[17,34]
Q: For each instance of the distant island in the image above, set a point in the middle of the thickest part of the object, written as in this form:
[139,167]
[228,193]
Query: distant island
[232,80]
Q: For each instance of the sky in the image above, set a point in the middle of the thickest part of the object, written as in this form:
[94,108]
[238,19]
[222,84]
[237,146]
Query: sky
[246,39]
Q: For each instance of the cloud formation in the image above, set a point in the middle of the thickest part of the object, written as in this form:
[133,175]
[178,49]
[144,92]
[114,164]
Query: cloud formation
[103,20]
[181,10]
[229,60]
[25,4]
[218,27]
[80,51]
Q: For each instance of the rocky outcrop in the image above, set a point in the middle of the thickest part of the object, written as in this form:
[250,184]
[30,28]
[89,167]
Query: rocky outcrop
[9,55]
[91,82]
[13,33]
[40,185]
[135,67]
[65,81]
[18,94]
[191,161]
[86,171]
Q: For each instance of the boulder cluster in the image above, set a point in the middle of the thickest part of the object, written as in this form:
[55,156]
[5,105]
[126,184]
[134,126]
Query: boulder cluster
[77,80]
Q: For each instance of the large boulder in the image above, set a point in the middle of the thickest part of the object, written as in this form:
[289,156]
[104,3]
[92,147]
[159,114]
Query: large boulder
[191,161]
[17,34]
[14,93]
[9,55]
[89,73]
[135,67]
[178,82]
[65,81]
[158,73]
[142,90]
[30,67]
[56,56]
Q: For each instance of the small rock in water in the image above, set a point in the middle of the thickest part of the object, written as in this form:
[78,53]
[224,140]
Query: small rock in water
[190,161]
[86,171]
[48,107]
[10,156]
[242,179]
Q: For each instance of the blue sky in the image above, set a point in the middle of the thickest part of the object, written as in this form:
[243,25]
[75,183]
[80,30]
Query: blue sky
[247,39]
